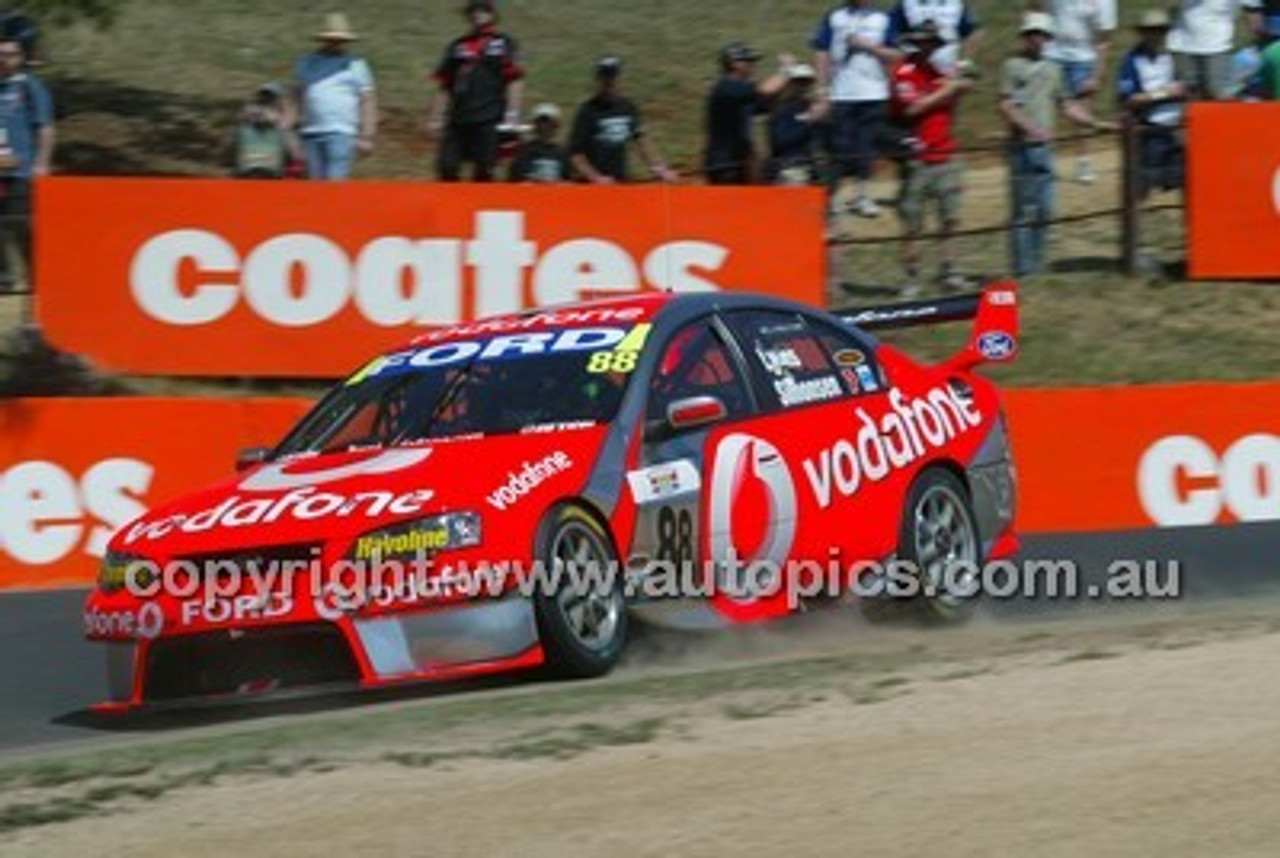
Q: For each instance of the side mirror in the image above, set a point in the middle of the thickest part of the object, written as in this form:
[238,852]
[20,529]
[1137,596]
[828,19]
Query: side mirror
[695,412]
[251,457]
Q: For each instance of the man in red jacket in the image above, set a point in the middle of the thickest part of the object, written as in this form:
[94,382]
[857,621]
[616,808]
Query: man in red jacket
[925,100]
[481,83]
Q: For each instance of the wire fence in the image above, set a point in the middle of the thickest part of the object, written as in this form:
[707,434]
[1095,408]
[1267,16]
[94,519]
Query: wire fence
[1112,212]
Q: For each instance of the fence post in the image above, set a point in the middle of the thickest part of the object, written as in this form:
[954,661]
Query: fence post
[1130,195]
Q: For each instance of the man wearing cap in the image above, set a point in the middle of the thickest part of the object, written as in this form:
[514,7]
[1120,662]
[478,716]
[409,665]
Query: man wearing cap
[605,127]
[852,56]
[734,101]
[1149,88]
[1202,40]
[1032,91]
[925,102]
[481,82]
[542,159]
[338,104]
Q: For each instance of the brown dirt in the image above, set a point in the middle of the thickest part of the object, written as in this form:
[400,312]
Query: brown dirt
[1102,740]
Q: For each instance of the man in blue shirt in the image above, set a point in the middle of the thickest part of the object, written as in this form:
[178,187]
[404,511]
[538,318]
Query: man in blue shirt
[26,144]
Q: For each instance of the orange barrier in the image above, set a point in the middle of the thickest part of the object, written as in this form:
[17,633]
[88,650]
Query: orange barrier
[1233,190]
[1120,458]
[74,470]
[309,279]
[1089,459]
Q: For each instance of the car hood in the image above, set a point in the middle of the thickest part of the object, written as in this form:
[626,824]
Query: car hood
[313,499]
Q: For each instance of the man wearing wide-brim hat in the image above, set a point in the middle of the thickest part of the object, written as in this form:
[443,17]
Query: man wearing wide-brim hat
[1149,88]
[337,100]
[1033,90]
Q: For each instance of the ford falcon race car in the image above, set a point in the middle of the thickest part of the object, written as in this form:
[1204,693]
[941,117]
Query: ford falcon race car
[514,492]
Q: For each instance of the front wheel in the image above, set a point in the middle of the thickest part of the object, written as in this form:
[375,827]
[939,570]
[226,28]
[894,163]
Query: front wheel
[580,604]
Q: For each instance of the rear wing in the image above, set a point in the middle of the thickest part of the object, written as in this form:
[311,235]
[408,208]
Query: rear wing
[994,311]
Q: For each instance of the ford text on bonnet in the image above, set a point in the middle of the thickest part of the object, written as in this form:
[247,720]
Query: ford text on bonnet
[516,491]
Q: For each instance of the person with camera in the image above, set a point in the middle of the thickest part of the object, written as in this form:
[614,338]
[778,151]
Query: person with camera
[793,129]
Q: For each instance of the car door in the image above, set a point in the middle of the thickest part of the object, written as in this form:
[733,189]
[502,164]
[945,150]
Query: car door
[821,394]
[671,485]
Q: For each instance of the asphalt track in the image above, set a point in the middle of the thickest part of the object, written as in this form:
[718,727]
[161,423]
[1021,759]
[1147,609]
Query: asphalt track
[48,674]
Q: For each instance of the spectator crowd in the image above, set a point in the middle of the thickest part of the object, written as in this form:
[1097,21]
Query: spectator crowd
[881,89]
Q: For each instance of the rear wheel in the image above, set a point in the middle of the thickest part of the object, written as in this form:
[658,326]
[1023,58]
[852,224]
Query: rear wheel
[580,606]
[938,540]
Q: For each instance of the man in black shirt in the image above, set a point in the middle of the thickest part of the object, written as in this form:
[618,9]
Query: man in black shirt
[734,102]
[542,159]
[605,126]
[481,82]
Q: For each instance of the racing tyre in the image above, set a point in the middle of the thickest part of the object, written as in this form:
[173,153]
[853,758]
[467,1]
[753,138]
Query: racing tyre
[939,539]
[580,606]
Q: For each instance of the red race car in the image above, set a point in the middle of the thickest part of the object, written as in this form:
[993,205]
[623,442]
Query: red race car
[513,492]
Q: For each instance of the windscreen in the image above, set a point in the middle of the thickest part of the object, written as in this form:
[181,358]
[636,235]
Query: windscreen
[505,385]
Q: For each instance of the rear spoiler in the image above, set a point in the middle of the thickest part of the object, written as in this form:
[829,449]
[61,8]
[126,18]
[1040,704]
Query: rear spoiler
[995,329]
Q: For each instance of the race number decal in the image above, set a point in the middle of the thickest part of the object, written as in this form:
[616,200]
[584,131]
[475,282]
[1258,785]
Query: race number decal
[623,357]
[675,537]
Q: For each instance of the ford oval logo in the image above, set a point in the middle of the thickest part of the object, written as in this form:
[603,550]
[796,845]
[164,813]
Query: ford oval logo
[997,345]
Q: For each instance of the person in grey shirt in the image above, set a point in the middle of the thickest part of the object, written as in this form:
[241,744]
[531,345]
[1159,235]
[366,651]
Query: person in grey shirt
[1032,91]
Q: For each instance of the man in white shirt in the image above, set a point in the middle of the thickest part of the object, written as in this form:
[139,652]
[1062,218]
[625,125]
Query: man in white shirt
[1081,45]
[335,91]
[1202,42]
[853,56]
[955,21]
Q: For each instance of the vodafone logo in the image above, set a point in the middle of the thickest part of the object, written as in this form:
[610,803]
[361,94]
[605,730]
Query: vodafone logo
[51,513]
[741,461]
[196,277]
[1183,481]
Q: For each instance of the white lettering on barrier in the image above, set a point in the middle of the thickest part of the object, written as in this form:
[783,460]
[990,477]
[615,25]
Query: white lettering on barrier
[1183,482]
[301,280]
[48,513]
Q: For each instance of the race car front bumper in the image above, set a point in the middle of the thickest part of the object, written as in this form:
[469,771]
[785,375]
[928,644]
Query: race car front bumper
[473,639]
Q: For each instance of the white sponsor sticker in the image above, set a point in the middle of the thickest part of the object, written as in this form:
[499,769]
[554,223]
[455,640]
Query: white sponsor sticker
[665,481]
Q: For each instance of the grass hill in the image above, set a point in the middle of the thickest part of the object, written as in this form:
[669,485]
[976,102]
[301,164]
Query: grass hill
[159,90]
